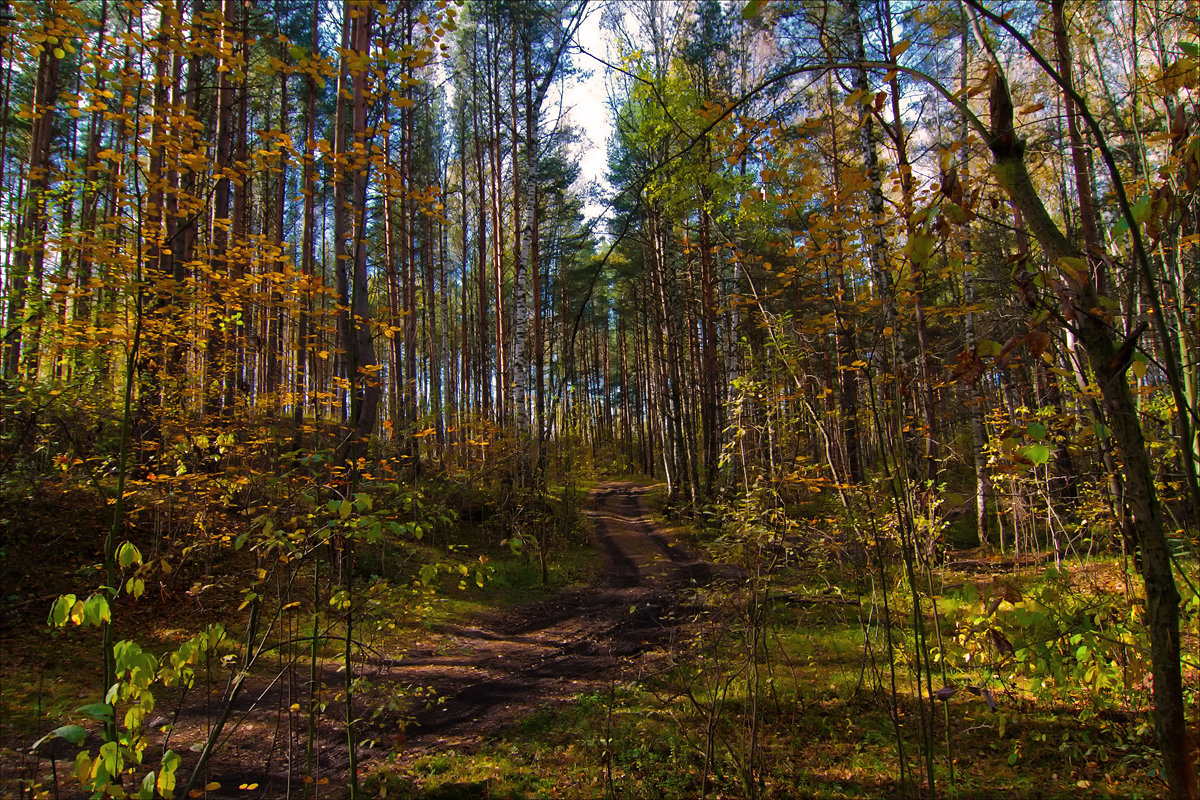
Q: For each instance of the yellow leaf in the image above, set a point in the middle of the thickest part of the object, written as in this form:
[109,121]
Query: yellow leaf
[1074,269]
[898,48]
[212,787]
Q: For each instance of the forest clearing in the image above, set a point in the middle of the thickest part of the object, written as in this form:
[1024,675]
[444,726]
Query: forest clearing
[599,399]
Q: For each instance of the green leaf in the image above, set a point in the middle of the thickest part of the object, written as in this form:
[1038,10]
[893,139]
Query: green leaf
[1037,453]
[60,612]
[344,509]
[101,712]
[1190,49]
[1141,209]
[240,540]
[752,9]
[110,754]
[128,555]
[74,734]
[1036,431]
[166,776]
[96,610]
[146,790]
[920,248]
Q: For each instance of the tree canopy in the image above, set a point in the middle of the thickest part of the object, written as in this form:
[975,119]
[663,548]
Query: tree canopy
[921,276]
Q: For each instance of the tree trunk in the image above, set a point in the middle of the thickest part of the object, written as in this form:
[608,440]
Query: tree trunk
[1109,361]
[30,257]
[307,247]
[363,372]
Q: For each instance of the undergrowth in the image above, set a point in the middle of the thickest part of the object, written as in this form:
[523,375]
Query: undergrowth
[803,678]
[244,575]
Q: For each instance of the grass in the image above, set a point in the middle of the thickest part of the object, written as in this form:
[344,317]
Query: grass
[807,711]
[46,674]
[768,700]
[813,741]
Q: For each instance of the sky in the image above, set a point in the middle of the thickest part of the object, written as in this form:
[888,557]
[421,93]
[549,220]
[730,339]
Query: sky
[585,105]
[586,101]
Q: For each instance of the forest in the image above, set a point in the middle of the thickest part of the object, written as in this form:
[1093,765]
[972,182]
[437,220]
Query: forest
[837,437]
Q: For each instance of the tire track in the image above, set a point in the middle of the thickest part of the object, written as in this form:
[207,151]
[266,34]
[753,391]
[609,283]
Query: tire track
[550,651]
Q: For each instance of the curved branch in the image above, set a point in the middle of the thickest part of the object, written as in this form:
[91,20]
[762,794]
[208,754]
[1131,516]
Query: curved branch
[1187,414]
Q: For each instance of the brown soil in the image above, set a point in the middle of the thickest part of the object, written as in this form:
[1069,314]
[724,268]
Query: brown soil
[573,642]
[482,676]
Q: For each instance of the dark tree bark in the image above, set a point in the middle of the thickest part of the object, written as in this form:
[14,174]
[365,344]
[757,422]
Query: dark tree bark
[1109,359]
[30,257]
[302,379]
[362,371]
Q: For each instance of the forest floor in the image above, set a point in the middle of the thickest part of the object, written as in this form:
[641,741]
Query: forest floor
[463,681]
[642,676]
[577,641]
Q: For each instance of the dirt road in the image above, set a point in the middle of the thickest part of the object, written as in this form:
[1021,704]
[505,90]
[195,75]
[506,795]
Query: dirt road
[574,642]
[484,676]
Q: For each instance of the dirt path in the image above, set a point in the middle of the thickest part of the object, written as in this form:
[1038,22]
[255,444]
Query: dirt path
[574,642]
[487,675]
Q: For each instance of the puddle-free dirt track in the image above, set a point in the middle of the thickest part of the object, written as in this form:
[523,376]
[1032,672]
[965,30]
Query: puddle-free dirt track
[484,675]
[573,642]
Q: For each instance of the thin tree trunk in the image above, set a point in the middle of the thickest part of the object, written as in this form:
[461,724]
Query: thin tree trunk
[1109,361]
[28,263]
[307,247]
